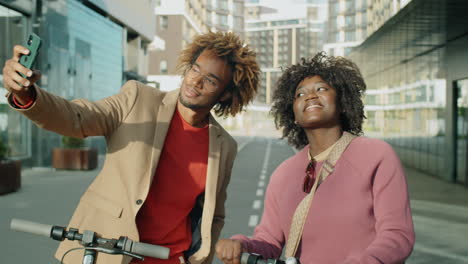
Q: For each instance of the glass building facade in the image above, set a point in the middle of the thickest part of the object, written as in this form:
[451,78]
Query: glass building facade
[415,67]
[82,56]
[15,130]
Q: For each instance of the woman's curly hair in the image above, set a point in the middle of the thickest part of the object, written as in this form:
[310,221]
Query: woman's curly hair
[245,70]
[342,74]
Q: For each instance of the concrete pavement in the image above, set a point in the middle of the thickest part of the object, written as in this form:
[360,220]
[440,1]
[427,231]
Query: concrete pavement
[440,216]
[440,209]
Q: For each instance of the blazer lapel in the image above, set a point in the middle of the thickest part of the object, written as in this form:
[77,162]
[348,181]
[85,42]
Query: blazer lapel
[212,177]
[163,121]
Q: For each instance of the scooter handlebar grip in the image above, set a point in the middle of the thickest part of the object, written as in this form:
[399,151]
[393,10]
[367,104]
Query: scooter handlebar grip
[149,250]
[31,227]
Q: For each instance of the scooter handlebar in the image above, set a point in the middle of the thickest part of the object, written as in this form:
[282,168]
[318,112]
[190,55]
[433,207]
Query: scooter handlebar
[129,245]
[148,250]
[31,227]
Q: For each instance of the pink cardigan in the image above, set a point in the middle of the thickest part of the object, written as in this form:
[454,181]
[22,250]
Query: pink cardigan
[360,213]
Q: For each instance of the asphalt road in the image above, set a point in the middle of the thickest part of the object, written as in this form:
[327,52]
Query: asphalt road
[49,196]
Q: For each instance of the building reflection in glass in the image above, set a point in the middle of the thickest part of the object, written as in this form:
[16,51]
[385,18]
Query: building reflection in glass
[14,128]
[417,94]
[462,128]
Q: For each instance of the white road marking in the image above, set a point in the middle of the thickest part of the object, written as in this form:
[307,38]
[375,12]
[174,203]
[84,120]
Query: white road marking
[253,220]
[257,204]
[261,183]
[241,146]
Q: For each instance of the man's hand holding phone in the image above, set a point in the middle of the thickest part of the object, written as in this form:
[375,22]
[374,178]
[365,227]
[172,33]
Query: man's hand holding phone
[17,77]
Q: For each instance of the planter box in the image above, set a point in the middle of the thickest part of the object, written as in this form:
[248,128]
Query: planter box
[10,176]
[74,159]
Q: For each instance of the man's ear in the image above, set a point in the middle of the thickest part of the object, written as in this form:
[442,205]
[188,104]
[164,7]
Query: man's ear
[225,96]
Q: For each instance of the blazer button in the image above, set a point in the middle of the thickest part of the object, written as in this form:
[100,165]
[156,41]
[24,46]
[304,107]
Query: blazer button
[139,201]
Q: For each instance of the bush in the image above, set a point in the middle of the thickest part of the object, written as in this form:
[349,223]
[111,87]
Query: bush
[71,142]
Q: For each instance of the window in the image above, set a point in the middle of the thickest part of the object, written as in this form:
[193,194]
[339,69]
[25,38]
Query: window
[14,128]
[333,23]
[238,8]
[335,8]
[209,5]
[350,5]
[350,36]
[222,4]
[222,20]
[363,3]
[364,19]
[163,66]
[210,19]
[337,37]
[238,23]
[349,21]
[313,12]
[163,21]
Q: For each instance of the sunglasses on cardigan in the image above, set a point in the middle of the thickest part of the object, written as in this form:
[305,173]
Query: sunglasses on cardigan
[310,177]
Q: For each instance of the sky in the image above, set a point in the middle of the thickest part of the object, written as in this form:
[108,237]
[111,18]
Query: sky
[287,8]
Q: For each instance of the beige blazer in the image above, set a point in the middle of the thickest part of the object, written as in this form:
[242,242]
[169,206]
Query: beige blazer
[134,122]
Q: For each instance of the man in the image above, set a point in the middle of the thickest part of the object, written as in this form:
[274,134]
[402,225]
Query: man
[168,161]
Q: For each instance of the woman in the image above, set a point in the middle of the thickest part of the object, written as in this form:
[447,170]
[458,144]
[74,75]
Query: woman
[361,212]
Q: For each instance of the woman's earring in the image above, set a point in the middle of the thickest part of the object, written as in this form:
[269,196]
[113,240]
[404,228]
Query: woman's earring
[295,122]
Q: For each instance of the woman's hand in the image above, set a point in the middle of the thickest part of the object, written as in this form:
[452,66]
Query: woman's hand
[229,251]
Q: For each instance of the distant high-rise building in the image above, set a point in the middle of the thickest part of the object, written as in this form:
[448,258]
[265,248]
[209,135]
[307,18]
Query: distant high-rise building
[178,21]
[346,27]
[379,11]
[254,11]
[281,40]
[350,22]
[225,15]
[317,16]
[277,43]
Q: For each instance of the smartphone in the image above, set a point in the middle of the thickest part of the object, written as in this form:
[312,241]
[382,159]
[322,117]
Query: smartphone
[33,43]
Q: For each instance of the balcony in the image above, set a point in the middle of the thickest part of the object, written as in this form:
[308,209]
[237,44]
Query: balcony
[222,27]
[350,11]
[222,11]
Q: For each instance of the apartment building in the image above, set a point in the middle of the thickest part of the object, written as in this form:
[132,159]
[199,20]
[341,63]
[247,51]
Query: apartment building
[177,22]
[283,38]
[350,22]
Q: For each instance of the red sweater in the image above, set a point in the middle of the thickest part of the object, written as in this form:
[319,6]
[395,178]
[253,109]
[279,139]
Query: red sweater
[179,179]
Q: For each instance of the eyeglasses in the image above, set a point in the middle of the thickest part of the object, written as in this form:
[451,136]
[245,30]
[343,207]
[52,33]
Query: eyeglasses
[310,177]
[209,83]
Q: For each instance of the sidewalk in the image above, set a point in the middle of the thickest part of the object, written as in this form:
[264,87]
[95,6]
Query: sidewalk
[440,217]
[429,188]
